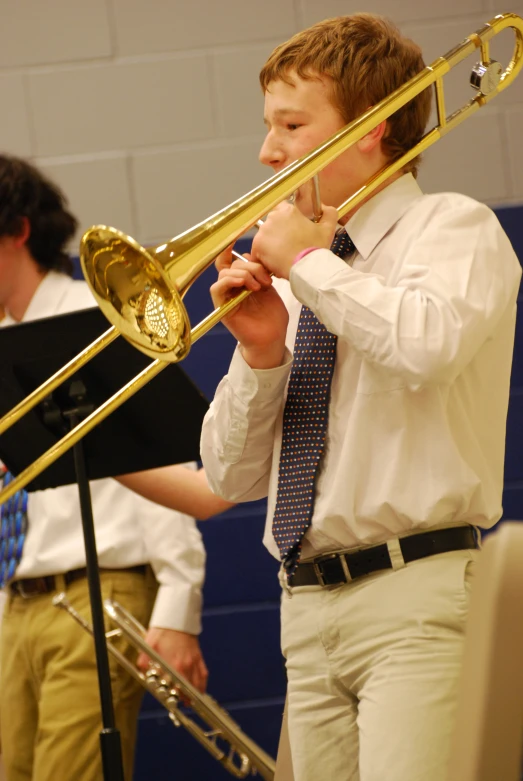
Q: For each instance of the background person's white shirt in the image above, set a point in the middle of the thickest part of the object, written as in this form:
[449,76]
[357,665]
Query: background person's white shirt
[130,530]
[425,319]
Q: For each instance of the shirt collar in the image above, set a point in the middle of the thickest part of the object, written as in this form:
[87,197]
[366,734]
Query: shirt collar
[377,216]
[7,320]
[44,300]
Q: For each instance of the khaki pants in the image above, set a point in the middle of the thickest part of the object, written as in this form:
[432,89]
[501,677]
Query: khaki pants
[373,669]
[50,716]
[2,601]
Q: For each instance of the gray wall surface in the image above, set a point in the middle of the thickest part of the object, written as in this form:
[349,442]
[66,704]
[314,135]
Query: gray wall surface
[149,113]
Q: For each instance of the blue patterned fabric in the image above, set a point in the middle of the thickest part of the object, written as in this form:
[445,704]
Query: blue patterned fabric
[305,421]
[12,532]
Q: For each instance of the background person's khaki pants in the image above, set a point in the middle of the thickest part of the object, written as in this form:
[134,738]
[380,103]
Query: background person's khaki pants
[2,600]
[50,717]
[373,669]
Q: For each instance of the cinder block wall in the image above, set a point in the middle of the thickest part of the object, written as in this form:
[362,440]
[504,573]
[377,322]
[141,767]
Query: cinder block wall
[148,112]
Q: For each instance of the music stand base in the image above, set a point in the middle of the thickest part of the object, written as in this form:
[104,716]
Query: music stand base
[111,748]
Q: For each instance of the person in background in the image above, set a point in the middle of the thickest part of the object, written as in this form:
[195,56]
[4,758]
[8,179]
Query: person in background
[152,559]
[367,399]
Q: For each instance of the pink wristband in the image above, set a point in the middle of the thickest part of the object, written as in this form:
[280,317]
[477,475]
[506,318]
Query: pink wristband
[302,254]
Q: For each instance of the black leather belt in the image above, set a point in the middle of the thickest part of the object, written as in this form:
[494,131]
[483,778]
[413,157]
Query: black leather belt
[335,568]
[32,587]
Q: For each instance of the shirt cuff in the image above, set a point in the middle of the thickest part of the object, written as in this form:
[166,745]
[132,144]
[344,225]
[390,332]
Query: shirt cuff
[178,606]
[262,384]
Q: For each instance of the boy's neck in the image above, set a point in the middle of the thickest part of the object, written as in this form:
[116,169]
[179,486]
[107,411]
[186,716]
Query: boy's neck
[28,279]
[378,189]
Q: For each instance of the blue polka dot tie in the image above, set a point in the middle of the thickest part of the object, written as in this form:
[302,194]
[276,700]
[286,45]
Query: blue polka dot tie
[305,420]
[12,532]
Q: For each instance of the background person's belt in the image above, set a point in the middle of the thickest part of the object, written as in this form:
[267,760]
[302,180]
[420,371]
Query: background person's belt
[335,568]
[32,587]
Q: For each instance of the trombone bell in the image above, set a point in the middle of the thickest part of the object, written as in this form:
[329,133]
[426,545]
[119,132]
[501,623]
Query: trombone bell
[135,294]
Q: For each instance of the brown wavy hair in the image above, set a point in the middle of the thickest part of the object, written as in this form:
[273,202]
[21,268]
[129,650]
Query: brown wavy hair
[26,192]
[365,58]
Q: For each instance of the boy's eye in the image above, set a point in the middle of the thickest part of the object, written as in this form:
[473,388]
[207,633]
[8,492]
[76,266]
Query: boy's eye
[291,126]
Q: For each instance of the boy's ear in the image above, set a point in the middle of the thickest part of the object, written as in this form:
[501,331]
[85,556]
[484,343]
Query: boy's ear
[373,138]
[23,234]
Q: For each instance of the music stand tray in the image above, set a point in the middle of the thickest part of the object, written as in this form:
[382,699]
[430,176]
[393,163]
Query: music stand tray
[160,425]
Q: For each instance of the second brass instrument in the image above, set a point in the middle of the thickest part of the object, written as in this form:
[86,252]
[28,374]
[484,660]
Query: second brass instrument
[220,735]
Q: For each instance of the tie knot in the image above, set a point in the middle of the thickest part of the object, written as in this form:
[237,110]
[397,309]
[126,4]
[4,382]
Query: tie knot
[342,244]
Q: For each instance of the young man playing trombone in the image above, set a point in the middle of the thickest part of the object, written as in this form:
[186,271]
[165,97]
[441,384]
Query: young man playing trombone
[367,399]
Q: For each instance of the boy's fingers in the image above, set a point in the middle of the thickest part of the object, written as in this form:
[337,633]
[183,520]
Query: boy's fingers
[329,215]
[229,284]
[224,259]
[258,271]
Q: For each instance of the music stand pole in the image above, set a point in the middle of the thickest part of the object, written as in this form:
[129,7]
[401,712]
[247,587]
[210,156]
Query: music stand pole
[110,743]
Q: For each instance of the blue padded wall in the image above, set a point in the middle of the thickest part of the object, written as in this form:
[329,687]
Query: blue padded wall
[512,220]
[241,617]
[240,639]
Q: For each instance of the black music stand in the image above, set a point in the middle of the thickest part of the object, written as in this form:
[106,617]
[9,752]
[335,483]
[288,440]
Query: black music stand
[158,426]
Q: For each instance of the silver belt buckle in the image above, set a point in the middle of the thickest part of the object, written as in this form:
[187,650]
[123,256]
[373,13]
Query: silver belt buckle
[20,591]
[344,566]
[318,573]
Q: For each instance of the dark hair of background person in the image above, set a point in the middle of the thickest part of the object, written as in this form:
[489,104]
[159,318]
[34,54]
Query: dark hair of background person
[26,193]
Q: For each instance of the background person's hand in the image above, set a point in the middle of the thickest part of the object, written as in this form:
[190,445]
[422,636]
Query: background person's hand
[181,651]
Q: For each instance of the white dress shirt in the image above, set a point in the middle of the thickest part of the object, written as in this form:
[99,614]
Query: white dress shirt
[425,322]
[130,530]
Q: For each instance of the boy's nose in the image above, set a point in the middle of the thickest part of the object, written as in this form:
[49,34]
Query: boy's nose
[271,153]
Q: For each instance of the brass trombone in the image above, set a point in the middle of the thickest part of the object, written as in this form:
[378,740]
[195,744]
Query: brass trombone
[221,736]
[141,290]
